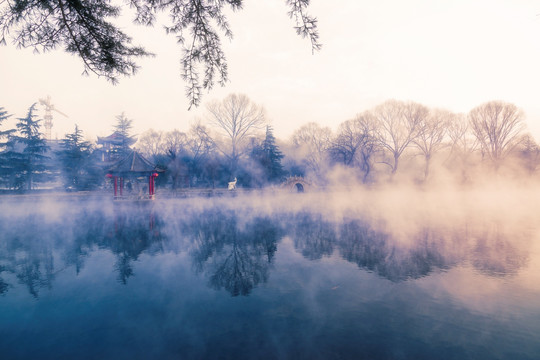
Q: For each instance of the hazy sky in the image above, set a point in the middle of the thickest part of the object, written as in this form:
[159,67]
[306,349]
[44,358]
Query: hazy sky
[451,54]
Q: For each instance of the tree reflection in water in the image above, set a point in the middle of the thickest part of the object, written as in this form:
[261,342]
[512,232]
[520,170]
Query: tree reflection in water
[131,233]
[493,254]
[234,257]
[26,252]
[31,245]
[4,286]
[313,236]
[371,250]
[491,251]
[361,245]
[234,249]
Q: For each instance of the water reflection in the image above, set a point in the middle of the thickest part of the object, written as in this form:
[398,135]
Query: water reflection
[376,251]
[26,254]
[233,257]
[131,233]
[234,251]
[35,249]
[485,246]
[496,253]
[313,236]
[224,279]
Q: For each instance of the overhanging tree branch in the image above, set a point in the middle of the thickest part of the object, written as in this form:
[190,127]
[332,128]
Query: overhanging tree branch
[84,28]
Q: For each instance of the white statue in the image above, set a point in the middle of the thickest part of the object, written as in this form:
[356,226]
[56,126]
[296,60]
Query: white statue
[232,184]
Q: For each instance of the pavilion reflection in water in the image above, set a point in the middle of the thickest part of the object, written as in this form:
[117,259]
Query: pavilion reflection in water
[237,254]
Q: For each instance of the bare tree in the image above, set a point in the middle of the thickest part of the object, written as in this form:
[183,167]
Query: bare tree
[498,127]
[313,141]
[462,142]
[399,123]
[174,142]
[431,135]
[151,143]
[237,118]
[188,154]
[347,142]
[355,143]
[530,153]
[370,146]
[459,134]
[200,143]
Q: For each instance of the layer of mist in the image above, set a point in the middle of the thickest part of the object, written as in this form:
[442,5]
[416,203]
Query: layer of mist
[397,233]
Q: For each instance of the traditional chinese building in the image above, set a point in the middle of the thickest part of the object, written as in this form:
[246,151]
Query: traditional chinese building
[133,178]
[114,146]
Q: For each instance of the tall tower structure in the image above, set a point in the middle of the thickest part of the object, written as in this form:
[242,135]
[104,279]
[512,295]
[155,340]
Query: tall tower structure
[49,108]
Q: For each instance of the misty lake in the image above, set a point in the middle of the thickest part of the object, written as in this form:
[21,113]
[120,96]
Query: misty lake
[344,275]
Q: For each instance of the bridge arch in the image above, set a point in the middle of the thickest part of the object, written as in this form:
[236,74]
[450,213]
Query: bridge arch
[297,184]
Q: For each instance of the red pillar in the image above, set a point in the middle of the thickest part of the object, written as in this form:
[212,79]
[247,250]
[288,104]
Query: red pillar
[115,185]
[121,186]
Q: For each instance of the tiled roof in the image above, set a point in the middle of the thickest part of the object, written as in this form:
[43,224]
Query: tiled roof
[134,162]
[116,138]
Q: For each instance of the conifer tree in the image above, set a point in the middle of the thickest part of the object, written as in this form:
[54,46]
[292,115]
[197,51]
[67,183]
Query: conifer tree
[87,29]
[75,158]
[4,133]
[123,128]
[274,156]
[4,136]
[269,157]
[26,149]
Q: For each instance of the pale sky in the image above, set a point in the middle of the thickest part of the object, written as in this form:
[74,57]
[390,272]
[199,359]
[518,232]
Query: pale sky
[454,54]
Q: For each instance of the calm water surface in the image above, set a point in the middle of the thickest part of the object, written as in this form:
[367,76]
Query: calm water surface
[242,278]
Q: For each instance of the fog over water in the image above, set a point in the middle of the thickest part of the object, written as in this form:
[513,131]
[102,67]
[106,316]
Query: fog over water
[381,273]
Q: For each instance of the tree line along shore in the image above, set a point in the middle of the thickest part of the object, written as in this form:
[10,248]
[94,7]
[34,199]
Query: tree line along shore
[396,141]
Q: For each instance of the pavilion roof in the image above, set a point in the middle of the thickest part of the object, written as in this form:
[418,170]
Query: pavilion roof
[116,138]
[133,163]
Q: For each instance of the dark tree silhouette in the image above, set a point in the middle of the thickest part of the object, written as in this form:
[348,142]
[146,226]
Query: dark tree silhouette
[75,158]
[355,143]
[4,133]
[234,259]
[26,154]
[4,136]
[268,156]
[86,30]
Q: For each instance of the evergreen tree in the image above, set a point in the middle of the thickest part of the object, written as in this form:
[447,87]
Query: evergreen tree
[25,155]
[4,136]
[88,30]
[75,158]
[269,157]
[122,129]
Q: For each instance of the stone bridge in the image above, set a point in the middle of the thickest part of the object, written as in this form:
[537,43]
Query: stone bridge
[297,184]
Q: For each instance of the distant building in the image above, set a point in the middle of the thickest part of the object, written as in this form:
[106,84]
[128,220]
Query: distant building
[114,147]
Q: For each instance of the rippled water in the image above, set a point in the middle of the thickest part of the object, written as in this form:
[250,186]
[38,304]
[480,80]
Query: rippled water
[278,277]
